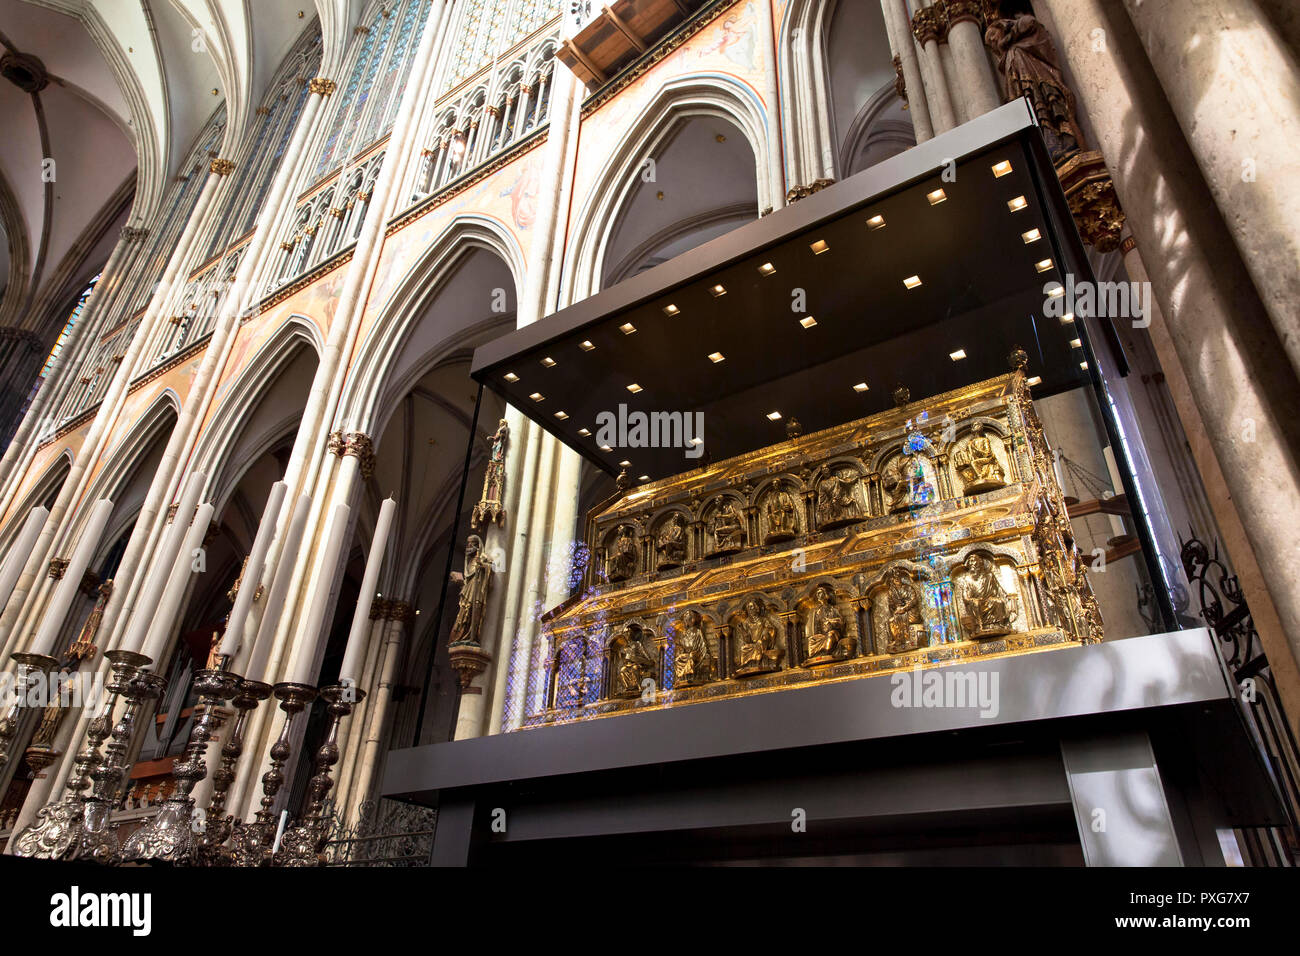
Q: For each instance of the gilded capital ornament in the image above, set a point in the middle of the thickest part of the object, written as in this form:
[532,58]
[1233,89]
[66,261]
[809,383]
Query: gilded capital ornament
[356,444]
[926,25]
[222,167]
[322,86]
[57,567]
[959,10]
[489,509]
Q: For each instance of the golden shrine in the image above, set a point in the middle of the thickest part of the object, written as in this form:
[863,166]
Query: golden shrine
[931,533]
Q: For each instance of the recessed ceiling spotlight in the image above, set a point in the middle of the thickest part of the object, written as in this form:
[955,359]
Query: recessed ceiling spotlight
[511,377]
[807,321]
[1033,235]
[912,281]
[697,441]
[586,345]
[643,478]
[819,247]
[1084,366]
[584,432]
[671,310]
[767,268]
[958,355]
[1035,380]
[716,357]
[634,388]
[1043,265]
[936,197]
[773,416]
[876,222]
[860,387]
[1067,318]
[627,328]
[548,362]
[537,397]
[562,415]
[1001,169]
[625,463]
[606,448]
[1075,344]
[717,290]
[1056,289]
[1017,204]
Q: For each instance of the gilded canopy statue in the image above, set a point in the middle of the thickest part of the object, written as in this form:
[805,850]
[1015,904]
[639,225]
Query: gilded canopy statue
[757,640]
[835,500]
[977,464]
[489,509]
[475,584]
[906,622]
[671,543]
[632,661]
[621,563]
[782,511]
[728,529]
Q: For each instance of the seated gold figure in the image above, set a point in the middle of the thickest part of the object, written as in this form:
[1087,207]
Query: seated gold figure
[906,623]
[976,464]
[634,665]
[692,662]
[829,641]
[757,640]
[986,609]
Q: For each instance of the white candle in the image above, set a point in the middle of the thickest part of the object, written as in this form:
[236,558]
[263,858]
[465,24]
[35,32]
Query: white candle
[304,660]
[164,618]
[256,669]
[164,558]
[66,591]
[21,550]
[356,650]
[279,831]
[238,620]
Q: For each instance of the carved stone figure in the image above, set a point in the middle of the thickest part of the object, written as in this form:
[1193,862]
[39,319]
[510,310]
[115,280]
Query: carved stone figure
[976,464]
[906,622]
[621,563]
[634,664]
[728,529]
[757,640]
[782,515]
[489,508]
[1028,65]
[829,640]
[475,584]
[692,662]
[986,610]
[671,544]
[835,500]
[904,482]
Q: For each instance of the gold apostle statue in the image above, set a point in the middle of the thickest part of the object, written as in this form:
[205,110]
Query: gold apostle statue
[835,501]
[475,583]
[634,663]
[828,641]
[904,482]
[782,522]
[976,463]
[728,529]
[757,640]
[692,661]
[906,623]
[671,543]
[986,610]
[622,556]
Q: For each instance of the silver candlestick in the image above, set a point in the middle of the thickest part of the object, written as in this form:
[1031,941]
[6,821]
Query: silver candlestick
[31,671]
[303,845]
[219,824]
[57,832]
[251,843]
[169,835]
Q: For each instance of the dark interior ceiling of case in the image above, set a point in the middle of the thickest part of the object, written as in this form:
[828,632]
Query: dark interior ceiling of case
[744,326]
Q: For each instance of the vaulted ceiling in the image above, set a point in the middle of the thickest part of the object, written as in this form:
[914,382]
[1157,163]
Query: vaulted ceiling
[121,88]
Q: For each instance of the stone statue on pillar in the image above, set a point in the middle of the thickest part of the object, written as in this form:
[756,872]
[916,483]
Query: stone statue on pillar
[474,586]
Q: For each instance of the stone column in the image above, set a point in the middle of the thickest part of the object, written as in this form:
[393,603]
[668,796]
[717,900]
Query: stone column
[1240,378]
[904,48]
[1235,90]
[925,27]
[973,73]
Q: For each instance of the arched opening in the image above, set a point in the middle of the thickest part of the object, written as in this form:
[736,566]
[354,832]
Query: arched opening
[868,120]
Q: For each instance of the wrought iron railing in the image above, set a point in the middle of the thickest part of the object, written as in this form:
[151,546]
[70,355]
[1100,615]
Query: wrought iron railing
[1225,611]
[387,833]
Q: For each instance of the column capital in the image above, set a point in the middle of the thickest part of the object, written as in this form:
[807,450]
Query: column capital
[57,567]
[959,10]
[134,235]
[321,85]
[222,167]
[356,444]
[928,25]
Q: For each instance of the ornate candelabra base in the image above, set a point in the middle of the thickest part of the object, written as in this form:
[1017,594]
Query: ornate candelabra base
[168,837]
[60,827]
[304,844]
[219,825]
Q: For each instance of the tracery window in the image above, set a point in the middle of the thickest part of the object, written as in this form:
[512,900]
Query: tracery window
[488,27]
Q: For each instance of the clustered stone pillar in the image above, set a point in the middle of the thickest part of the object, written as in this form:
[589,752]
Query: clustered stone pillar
[904,50]
[1244,387]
